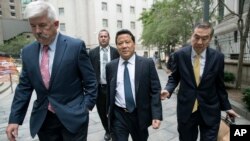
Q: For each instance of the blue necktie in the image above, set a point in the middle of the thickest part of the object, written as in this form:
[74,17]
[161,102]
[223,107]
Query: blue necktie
[130,104]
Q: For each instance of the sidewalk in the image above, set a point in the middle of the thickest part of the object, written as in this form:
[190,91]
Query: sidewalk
[167,131]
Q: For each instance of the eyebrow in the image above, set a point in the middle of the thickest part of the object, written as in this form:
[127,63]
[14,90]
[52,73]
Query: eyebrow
[207,36]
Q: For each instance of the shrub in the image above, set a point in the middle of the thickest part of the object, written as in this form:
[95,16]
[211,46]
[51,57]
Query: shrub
[229,77]
[246,97]
[13,46]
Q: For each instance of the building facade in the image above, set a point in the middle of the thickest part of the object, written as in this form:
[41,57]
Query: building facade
[85,18]
[227,38]
[10,9]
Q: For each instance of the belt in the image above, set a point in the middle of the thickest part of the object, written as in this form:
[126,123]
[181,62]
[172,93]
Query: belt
[122,109]
[103,85]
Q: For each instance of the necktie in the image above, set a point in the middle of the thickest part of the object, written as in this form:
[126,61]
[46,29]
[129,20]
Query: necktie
[130,104]
[44,66]
[196,67]
[104,62]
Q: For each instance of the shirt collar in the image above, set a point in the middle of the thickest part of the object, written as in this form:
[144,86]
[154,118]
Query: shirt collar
[52,46]
[131,60]
[107,47]
[203,54]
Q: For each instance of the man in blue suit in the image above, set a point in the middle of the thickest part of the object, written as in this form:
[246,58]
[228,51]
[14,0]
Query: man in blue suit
[58,68]
[202,95]
[134,88]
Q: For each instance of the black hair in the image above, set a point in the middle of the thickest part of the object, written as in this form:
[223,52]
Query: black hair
[124,31]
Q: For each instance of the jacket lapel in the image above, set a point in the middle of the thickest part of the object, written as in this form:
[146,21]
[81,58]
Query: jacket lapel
[138,72]
[189,64]
[36,51]
[209,61]
[113,80]
[61,45]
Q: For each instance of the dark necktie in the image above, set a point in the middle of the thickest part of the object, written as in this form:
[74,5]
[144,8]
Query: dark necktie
[45,71]
[130,104]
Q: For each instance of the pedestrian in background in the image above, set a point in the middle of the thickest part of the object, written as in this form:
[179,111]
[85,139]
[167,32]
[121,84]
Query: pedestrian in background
[133,92]
[99,57]
[202,94]
[58,68]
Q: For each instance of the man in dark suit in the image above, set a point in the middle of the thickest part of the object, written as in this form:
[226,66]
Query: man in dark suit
[202,94]
[99,57]
[133,92]
[58,68]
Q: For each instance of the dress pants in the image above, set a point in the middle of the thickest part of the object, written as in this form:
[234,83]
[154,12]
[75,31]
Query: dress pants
[189,131]
[53,130]
[101,105]
[125,123]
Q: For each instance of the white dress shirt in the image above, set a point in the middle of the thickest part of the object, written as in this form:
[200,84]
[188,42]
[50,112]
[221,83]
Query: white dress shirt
[120,94]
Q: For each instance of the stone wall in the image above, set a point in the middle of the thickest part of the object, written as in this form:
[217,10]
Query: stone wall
[231,66]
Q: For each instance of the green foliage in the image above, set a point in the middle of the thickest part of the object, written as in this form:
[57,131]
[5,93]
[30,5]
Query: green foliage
[246,97]
[169,23]
[13,47]
[229,77]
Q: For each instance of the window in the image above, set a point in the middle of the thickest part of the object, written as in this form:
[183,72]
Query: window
[143,9]
[105,23]
[0,13]
[26,1]
[62,27]
[132,9]
[132,25]
[12,7]
[13,14]
[61,11]
[119,24]
[119,8]
[104,6]
[12,1]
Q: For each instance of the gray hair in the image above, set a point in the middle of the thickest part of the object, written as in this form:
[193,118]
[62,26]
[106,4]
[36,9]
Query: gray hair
[40,8]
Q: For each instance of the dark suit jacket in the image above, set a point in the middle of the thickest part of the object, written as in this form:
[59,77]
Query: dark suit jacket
[210,93]
[72,90]
[94,55]
[147,90]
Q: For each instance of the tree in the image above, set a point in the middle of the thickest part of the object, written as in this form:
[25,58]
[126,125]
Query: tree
[169,23]
[243,31]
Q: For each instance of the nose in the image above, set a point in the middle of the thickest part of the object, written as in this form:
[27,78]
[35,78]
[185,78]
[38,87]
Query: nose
[199,41]
[124,44]
[36,29]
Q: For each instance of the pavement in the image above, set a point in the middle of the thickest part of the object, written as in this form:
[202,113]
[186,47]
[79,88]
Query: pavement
[167,131]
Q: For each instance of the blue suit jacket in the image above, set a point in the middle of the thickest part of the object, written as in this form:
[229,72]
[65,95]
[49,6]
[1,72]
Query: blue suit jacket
[72,90]
[210,93]
[147,90]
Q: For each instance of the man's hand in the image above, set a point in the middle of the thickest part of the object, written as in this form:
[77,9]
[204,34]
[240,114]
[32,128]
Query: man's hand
[232,114]
[164,94]
[12,131]
[156,123]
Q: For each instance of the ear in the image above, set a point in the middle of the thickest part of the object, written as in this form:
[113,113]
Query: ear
[56,23]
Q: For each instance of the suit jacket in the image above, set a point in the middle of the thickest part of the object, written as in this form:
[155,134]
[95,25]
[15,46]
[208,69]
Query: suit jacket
[210,93]
[147,90]
[72,90]
[94,55]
